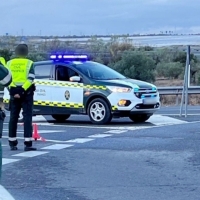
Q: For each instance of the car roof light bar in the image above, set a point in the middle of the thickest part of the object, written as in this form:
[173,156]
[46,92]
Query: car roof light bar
[67,57]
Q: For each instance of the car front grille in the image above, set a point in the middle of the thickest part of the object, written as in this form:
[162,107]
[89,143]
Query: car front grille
[145,93]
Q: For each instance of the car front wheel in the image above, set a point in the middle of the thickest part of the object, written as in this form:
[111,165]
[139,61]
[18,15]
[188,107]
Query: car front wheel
[139,118]
[99,111]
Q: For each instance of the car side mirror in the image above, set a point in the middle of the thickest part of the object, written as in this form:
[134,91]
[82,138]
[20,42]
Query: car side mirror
[75,79]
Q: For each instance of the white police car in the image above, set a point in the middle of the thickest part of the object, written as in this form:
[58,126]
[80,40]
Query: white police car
[71,84]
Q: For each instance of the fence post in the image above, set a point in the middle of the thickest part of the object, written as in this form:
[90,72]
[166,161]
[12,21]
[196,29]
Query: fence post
[177,98]
[184,98]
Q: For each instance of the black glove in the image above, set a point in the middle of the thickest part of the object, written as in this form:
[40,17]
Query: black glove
[21,92]
[34,87]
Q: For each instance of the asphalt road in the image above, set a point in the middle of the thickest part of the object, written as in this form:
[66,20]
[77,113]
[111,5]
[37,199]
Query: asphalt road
[155,160]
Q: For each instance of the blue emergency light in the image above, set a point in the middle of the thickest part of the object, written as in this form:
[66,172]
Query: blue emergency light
[67,57]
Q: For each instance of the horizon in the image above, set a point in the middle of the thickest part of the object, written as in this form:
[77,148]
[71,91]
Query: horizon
[104,35]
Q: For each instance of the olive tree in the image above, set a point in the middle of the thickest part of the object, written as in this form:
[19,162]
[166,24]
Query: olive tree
[170,70]
[136,65]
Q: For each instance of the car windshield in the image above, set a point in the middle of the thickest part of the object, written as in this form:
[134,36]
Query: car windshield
[98,71]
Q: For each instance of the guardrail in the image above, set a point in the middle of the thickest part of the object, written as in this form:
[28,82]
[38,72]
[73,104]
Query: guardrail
[177,90]
[173,90]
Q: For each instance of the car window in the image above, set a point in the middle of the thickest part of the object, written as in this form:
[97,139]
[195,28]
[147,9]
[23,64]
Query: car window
[64,73]
[43,71]
[98,71]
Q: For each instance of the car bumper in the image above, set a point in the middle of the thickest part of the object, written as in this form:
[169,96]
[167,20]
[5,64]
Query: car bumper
[137,109]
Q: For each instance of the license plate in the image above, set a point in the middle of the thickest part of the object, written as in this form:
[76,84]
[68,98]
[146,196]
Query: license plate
[149,101]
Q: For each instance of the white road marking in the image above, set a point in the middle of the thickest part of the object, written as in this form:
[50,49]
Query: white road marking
[56,141]
[132,128]
[164,120]
[57,146]
[39,118]
[183,114]
[155,120]
[8,160]
[31,153]
[80,140]
[4,194]
[116,131]
[95,127]
[99,135]
[39,131]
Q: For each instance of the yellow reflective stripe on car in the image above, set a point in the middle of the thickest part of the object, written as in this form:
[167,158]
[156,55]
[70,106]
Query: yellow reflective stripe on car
[95,87]
[114,108]
[59,104]
[77,85]
[54,104]
[57,83]
[42,103]
[68,105]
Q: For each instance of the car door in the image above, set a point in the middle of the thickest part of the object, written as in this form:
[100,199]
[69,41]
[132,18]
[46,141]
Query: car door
[67,97]
[44,87]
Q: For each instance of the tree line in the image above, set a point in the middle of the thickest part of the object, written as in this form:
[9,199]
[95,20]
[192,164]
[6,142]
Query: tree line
[138,62]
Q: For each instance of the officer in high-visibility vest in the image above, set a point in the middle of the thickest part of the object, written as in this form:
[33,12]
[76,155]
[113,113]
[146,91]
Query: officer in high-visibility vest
[21,96]
[5,80]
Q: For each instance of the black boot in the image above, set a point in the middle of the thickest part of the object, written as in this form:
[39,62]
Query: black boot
[13,145]
[28,146]
[13,148]
[29,149]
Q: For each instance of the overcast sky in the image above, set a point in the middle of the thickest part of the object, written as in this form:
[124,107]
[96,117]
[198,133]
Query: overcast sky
[64,17]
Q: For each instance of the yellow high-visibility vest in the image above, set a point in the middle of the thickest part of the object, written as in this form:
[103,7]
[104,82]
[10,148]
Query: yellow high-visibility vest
[20,69]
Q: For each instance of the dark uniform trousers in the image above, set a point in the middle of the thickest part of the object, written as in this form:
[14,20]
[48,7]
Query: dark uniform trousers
[25,103]
[2,117]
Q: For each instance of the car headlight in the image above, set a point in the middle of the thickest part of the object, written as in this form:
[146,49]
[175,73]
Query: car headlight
[154,89]
[119,89]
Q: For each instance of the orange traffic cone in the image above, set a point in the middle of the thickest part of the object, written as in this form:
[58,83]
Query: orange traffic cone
[36,135]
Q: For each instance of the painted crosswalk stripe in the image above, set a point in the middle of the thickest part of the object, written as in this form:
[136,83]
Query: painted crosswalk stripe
[160,120]
[58,146]
[80,140]
[4,194]
[8,160]
[30,154]
[116,131]
[99,135]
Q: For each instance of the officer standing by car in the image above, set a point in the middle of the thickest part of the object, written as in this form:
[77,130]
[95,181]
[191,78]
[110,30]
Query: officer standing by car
[21,92]
[5,80]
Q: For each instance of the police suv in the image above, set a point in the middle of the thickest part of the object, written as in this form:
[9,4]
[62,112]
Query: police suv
[71,84]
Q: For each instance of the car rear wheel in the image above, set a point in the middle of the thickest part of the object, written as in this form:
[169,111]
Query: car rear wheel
[139,118]
[60,118]
[99,111]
